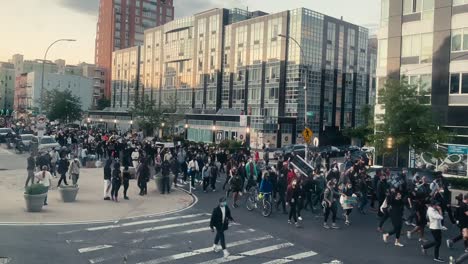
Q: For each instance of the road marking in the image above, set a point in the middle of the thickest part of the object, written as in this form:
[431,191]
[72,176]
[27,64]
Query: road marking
[191,231]
[5,151]
[95,248]
[201,251]
[115,257]
[145,222]
[149,229]
[248,253]
[163,246]
[292,258]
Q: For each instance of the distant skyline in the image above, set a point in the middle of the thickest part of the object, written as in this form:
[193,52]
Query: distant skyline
[31,25]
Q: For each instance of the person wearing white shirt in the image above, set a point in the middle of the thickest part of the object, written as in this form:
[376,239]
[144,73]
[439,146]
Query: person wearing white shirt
[193,169]
[135,157]
[434,213]
[45,178]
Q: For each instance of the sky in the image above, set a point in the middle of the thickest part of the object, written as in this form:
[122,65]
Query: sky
[29,26]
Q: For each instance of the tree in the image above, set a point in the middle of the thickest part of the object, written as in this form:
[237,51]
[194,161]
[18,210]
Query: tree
[408,118]
[103,103]
[148,116]
[62,105]
[365,131]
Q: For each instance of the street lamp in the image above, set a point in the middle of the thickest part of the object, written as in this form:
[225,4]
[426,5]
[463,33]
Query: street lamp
[305,83]
[43,65]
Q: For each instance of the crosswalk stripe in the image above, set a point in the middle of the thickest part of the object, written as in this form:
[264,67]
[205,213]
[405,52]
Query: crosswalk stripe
[292,258]
[115,257]
[190,231]
[201,251]
[248,253]
[149,229]
[145,222]
[95,248]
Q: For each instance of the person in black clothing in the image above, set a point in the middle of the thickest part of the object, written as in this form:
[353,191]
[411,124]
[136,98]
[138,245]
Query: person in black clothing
[281,188]
[126,181]
[107,179]
[461,215]
[143,177]
[116,182]
[213,176]
[395,207]
[174,169]
[292,196]
[165,171]
[220,220]
[62,170]
[381,193]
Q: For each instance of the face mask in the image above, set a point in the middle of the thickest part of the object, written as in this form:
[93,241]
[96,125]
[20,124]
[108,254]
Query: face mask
[223,204]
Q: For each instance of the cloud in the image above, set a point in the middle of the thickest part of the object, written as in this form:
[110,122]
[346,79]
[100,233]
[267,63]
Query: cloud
[89,7]
[185,8]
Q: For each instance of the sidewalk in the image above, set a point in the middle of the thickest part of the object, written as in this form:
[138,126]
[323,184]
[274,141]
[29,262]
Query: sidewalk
[89,206]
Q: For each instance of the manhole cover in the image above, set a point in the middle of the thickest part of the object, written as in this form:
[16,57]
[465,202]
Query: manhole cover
[4,260]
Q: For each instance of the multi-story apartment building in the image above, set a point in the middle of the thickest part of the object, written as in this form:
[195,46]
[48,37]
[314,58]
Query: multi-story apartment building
[121,24]
[7,87]
[427,41]
[239,74]
[21,96]
[125,77]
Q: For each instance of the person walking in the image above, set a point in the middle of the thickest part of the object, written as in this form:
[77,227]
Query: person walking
[292,198]
[143,173]
[461,215]
[62,170]
[434,213]
[206,175]
[135,157]
[220,220]
[235,183]
[107,178]
[74,171]
[213,176]
[54,158]
[193,170]
[45,178]
[116,182]
[347,201]
[126,180]
[464,256]
[281,188]
[395,207]
[30,168]
[330,204]
[165,171]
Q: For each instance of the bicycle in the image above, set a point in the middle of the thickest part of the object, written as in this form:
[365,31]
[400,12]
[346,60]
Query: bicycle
[256,199]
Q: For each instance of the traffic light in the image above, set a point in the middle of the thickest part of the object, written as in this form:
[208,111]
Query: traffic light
[389,142]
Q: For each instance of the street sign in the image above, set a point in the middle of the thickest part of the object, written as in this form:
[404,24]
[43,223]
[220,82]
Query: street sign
[219,136]
[307,134]
[310,113]
[456,149]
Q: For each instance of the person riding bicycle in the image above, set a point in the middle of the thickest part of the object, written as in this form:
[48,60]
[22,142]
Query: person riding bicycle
[235,183]
[251,173]
[266,187]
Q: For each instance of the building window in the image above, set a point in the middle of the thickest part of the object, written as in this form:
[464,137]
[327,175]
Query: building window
[416,6]
[460,39]
[419,45]
[459,83]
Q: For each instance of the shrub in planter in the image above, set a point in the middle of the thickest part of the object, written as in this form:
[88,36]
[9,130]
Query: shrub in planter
[68,192]
[458,183]
[34,197]
[158,180]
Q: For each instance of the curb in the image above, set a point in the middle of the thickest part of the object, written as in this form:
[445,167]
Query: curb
[194,201]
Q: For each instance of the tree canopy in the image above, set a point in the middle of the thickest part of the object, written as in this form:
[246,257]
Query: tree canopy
[407,117]
[103,103]
[62,105]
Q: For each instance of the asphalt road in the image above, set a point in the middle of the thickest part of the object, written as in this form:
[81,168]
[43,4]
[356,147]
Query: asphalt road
[185,238]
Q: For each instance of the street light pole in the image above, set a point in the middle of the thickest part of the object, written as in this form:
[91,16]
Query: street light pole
[305,85]
[43,65]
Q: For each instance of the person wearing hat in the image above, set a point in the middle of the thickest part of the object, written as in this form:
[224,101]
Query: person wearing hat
[220,220]
[434,213]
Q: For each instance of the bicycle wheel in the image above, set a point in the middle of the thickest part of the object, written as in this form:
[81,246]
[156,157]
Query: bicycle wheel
[266,210]
[250,203]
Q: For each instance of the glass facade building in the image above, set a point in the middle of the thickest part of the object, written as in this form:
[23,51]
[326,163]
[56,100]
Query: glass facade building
[220,64]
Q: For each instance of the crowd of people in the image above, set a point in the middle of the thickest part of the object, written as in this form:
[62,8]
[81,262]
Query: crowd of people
[333,187]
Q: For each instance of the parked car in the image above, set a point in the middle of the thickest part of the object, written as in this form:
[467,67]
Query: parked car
[286,152]
[26,139]
[45,143]
[368,149]
[330,150]
[4,132]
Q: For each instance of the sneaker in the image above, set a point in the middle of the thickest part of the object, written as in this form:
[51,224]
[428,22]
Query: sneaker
[413,224]
[216,248]
[334,226]
[289,222]
[126,198]
[398,244]
[452,260]
[449,243]
[407,223]
[204,191]
[379,229]
[408,235]
[439,260]
[326,226]
[347,223]
[296,224]
[385,238]
[423,250]
[444,228]
[300,218]
[225,253]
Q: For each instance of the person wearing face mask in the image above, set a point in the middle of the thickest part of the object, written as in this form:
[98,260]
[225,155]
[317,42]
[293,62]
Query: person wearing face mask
[329,204]
[281,187]
[434,213]
[395,208]
[464,256]
[292,200]
[220,220]
[346,200]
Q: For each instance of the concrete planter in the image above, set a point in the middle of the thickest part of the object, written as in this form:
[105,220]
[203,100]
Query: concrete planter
[34,202]
[158,178]
[68,194]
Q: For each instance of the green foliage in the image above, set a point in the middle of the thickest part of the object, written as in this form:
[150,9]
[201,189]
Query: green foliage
[364,132]
[103,103]
[230,144]
[458,183]
[62,105]
[148,116]
[35,189]
[407,118]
